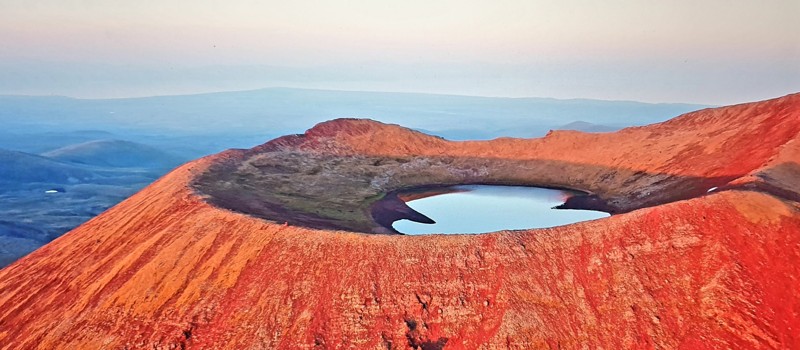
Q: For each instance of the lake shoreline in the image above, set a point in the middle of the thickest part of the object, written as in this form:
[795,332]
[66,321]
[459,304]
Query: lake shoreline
[393,206]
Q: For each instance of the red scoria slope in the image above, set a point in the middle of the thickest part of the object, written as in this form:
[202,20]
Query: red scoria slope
[167,270]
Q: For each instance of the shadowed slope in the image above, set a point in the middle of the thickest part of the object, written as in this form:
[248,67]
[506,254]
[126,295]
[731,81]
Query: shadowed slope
[168,269]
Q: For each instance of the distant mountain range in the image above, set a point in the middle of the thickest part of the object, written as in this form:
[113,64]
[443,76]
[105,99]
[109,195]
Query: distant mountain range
[278,111]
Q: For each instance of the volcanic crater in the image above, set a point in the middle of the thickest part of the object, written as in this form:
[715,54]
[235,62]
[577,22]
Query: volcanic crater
[255,248]
[343,190]
[322,180]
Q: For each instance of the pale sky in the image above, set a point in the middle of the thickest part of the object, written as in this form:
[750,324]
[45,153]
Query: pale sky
[714,52]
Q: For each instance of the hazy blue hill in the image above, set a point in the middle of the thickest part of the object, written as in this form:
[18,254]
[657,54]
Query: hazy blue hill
[25,168]
[587,127]
[35,140]
[24,171]
[115,153]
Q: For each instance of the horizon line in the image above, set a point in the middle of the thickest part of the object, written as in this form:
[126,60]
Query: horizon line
[370,92]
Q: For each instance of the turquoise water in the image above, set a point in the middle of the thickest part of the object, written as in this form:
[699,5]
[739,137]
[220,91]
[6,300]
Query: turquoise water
[483,208]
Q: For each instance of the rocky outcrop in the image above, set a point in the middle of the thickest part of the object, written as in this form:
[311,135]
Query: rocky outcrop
[185,264]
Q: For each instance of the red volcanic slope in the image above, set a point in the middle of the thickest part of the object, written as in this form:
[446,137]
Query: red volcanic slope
[166,270]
